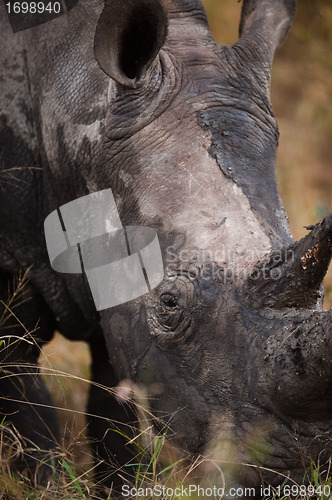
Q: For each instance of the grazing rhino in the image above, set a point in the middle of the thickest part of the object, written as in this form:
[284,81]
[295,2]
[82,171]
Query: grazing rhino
[134,96]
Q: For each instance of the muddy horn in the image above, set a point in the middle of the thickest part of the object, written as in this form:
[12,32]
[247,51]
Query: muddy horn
[293,277]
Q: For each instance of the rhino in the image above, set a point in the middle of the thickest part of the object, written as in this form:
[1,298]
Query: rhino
[135,96]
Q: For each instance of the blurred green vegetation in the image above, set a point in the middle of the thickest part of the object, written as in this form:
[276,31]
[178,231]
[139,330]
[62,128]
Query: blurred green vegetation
[301,96]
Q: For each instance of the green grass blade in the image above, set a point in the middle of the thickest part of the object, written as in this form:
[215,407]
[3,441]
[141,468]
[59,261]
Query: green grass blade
[140,448]
[72,475]
[171,466]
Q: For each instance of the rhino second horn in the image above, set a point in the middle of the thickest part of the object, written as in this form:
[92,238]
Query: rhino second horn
[293,277]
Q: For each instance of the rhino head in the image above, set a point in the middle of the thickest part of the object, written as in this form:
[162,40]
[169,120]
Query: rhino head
[233,342]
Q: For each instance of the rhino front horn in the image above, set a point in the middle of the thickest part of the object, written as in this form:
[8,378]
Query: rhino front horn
[293,276]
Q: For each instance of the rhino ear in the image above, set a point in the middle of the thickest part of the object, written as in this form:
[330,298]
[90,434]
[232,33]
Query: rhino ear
[263,27]
[128,37]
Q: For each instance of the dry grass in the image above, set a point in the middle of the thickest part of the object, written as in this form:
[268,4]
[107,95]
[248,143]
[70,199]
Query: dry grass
[157,463]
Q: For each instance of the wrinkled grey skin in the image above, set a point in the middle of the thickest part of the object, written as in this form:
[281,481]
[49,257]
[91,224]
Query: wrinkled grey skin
[183,132]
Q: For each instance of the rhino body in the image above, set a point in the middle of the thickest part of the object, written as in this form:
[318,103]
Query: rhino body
[137,97]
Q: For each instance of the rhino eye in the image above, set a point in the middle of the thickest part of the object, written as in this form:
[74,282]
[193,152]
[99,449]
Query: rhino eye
[169,300]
